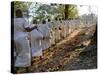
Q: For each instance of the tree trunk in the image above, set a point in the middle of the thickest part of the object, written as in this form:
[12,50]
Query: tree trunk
[66,11]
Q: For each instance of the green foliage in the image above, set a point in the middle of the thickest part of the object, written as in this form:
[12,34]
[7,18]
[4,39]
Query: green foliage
[22,5]
[71,11]
[57,10]
[45,11]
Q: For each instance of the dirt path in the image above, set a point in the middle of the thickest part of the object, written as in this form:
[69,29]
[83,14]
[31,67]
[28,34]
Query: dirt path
[64,55]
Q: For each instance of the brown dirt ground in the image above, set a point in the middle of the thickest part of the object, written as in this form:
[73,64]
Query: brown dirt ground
[73,53]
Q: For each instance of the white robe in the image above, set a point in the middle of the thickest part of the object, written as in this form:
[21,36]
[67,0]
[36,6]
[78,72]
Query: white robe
[44,29]
[35,40]
[57,31]
[52,33]
[23,58]
[66,27]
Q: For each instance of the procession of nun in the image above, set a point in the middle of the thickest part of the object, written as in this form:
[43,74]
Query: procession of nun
[31,39]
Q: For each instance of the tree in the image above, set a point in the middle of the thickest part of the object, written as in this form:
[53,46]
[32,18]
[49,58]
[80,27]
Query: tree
[70,11]
[22,5]
[44,11]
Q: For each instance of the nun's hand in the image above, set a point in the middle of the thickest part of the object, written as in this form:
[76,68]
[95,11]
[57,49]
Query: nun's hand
[28,29]
[35,27]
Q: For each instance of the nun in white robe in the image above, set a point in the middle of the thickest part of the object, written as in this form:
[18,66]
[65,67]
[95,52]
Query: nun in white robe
[48,36]
[50,41]
[66,27]
[57,31]
[62,31]
[70,26]
[52,33]
[35,40]
[23,52]
[44,29]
